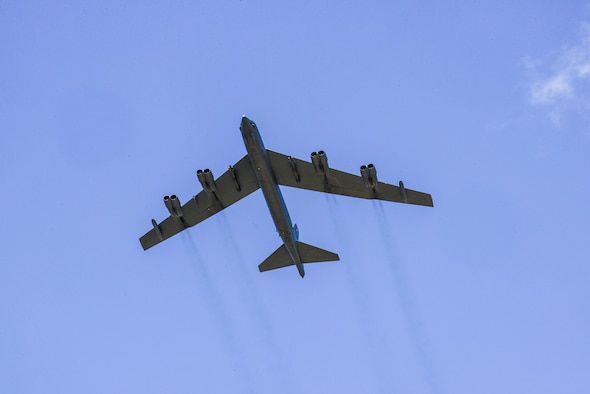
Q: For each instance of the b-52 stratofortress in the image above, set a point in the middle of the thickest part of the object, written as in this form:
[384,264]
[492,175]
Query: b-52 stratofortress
[265,169]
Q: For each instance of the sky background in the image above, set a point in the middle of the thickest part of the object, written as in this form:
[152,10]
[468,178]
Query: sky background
[107,106]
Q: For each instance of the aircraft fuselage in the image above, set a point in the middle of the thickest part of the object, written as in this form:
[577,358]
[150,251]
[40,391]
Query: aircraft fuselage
[270,189]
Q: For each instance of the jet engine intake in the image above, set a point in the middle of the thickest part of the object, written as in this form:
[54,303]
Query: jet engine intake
[201,178]
[206,179]
[324,162]
[209,179]
[315,160]
[320,162]
[173,205]
[168,204]
[365,176]
[369,175]
[372,172]
[176,205]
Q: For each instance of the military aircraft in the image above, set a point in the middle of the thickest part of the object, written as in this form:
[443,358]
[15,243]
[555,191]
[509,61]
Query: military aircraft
[265,169]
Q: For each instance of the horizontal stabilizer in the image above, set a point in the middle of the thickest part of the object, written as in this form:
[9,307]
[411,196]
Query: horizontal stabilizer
[309,254]
[279,259]
[312,254]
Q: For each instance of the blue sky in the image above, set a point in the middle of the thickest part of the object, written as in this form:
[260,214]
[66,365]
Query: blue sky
[106,107]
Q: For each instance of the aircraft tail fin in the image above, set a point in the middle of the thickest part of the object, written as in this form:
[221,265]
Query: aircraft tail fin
[309,254]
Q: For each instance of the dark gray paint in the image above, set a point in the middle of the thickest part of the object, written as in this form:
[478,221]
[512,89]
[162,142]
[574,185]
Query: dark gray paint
[265,169]
[270,189]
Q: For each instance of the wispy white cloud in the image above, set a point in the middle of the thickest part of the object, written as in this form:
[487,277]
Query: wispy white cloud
[567,75]
[556,86]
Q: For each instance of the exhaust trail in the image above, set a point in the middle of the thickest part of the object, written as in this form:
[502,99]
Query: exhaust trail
[408,307]
[261,323]
[234,350]
[365,312]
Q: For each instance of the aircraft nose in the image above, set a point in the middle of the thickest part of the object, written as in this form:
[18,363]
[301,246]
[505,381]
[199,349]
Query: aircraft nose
[246,125]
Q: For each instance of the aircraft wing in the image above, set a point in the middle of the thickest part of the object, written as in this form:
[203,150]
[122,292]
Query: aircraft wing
[235,184]
[293,172]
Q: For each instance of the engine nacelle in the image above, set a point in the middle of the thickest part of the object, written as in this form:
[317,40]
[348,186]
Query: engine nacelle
[324,162]
[320,162]
[176,205]
[365,176]
[173,205]
[201,178]
[369,175]
[209,179]
[372,172]
[168,204]
[315,160]
[206,179]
